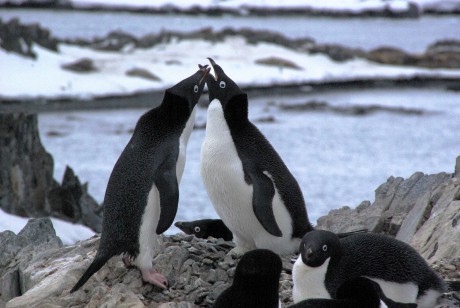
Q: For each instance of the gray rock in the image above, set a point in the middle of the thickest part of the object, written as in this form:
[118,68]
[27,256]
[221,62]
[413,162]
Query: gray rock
[84,65]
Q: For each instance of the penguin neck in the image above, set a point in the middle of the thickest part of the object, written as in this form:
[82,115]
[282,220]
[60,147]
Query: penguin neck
[175,109]
[216,122]
[188,127]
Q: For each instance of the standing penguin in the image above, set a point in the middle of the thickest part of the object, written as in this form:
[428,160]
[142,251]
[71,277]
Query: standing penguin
[256,282]
[248,183]
[143,190]
[326,262]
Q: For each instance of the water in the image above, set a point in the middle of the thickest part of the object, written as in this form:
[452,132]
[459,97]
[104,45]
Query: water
[412,35]
[337,159]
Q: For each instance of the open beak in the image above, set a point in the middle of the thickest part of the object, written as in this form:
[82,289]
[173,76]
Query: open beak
[212,64]
[205,69]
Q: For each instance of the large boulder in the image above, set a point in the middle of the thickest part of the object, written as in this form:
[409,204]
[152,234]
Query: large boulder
[421,210]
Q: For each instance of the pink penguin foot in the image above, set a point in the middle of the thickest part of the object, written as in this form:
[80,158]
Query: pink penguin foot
[127,262]
[155,278]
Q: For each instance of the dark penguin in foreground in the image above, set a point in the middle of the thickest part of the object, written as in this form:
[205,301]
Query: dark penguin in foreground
[143,190]
[359,292]
[248,183]
[256,282]
[326,262]
[204,228]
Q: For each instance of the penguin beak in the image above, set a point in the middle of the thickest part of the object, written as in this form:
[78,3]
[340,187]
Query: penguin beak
[205,69]
[213,63]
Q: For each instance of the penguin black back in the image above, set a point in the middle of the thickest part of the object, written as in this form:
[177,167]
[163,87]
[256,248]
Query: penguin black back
[256,282]
[149,159]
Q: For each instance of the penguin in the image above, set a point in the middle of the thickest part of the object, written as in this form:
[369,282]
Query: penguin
[359,292]
[204,228]
[326,261]
[250,187]
[142,194]
[256,282]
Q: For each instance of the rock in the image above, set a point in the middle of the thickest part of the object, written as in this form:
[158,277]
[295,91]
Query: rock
[18,38]
[26,169]
[114,41]
[71,202]
[457,167]
[36,240]
[142,73]
[390,55]
[278,62]
[336,52]
[84,65]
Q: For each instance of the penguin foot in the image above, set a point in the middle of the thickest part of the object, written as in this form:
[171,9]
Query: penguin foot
[155,278]
[238,251]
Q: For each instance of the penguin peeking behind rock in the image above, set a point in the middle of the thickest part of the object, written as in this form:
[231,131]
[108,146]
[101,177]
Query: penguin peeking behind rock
[142,194]
[256,282]
[204,228]
[402,277]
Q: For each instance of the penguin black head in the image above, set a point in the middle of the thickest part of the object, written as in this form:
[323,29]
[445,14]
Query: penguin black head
[317,246]
[204,228]
[220,86]
[262,265]
[191,88]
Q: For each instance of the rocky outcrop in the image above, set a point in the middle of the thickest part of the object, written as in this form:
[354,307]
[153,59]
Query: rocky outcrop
[36,241]
[422,210]
[27,186]
[18,38]
[26,169]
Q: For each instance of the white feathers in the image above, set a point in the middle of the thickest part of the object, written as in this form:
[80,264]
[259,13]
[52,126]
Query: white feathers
[398,292]
[309,282]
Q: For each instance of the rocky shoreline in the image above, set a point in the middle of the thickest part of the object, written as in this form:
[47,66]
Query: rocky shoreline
[37,270]
[411,10]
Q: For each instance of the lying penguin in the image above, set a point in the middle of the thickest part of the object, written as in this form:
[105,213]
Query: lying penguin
[250,187]
[353,293]
[204,228]
[143,190]
[256,282]
[327,261]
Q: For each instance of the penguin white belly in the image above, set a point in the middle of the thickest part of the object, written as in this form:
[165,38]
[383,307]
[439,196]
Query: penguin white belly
[231,196]
[149,241]
[183,141]
[309,282]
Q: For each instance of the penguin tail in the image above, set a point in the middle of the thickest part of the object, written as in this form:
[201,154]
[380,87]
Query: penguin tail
[96,265]
[345,234]
[453,285]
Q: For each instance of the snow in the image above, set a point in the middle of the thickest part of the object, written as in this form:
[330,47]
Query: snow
[68,232]
[24,77]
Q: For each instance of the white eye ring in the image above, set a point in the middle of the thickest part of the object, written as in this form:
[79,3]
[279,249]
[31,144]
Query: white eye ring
[324,247]
[195,89]
[197,229]
[222,84]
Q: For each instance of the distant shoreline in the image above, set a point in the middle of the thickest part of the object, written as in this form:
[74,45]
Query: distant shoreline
[412,11]
[147,99]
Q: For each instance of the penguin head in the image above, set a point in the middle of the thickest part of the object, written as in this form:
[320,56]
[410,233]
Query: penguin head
[199,228]
[317,246]
[190,88]
[260,265]
[220,86]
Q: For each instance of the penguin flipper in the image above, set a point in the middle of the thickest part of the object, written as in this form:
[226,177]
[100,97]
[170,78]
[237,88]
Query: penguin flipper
[262,203]
[168,187]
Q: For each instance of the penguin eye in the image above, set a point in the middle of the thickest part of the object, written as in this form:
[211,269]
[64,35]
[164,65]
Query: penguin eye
[222,84]
[197,229]
[324,247]
[195,89]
